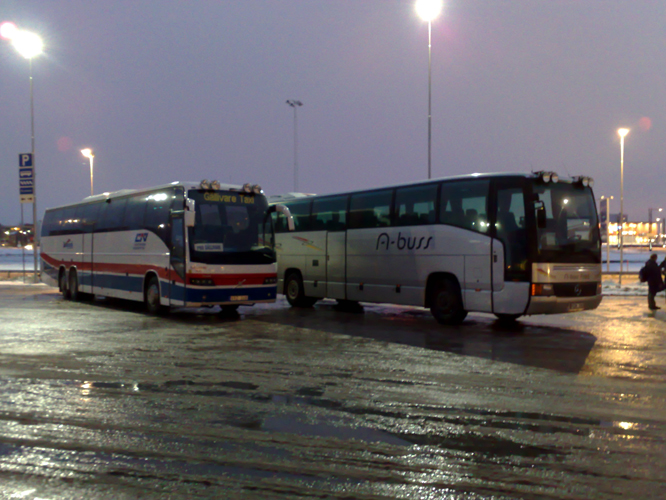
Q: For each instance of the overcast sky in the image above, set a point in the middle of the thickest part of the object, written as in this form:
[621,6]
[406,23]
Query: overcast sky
[168,90]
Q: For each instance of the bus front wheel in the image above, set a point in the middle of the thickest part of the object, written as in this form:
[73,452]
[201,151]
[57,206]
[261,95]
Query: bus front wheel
[152,296]
[295,292]
[446,303]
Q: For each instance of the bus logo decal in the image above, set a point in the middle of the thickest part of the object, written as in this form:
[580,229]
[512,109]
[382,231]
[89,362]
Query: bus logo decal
[140,241]
[403,242]
[68,244]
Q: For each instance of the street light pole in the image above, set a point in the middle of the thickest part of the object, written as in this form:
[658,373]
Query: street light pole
[89,154]
[295,104]
[28,45]
[608,199]
[622,133]
[428,10]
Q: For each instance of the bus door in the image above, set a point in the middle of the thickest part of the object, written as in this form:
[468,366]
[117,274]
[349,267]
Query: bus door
[177,259]
[331,214]
[336,258]
[510,269]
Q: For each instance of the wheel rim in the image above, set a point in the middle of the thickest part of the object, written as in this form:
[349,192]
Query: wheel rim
[153,296]
[444,303]
[293,289]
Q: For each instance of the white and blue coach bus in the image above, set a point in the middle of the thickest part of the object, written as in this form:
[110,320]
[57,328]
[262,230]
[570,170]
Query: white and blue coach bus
[181,244]
[507,244]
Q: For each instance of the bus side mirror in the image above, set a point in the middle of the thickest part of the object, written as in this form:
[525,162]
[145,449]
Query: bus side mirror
[190,214]
[541,216]
[284,210]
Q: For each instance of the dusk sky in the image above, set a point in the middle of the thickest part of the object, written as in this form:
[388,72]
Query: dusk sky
[168,90]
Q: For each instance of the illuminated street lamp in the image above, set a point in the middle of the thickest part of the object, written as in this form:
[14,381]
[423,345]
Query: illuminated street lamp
[29,45]
[428,10]
[622,132]
[295,104]
[88,153]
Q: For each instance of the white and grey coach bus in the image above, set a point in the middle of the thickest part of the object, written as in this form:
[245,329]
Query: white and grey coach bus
[508,244]
[181,244]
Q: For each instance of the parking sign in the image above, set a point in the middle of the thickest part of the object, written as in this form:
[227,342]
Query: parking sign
[26,178]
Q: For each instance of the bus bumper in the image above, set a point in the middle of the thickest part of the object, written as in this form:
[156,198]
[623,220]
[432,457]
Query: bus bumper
[558,305]
[199,297]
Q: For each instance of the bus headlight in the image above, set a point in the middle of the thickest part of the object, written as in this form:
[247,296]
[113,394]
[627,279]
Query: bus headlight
[270,281]
[256,189]
[204,184]
[247,187]
[215,185]
[542,290]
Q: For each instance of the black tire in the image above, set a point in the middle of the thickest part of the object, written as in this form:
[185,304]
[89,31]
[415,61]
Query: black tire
[446,303]
[293,289]
[151,296]
[507,318]
[62,284]
[73,286]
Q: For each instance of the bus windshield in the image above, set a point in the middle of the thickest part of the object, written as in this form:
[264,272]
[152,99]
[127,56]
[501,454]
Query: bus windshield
[229,228]
[571,232]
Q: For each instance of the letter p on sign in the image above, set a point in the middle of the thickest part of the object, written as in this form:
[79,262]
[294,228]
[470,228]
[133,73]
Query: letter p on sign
[25,160]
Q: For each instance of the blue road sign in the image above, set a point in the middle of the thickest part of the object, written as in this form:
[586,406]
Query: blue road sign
[25,160]
[26,178]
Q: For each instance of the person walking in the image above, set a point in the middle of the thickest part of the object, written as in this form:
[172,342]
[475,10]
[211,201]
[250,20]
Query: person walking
[654,280]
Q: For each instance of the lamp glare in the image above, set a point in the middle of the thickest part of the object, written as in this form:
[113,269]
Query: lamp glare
[428,10]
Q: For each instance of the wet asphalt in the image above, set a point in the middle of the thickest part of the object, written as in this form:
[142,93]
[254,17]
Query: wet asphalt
[99,400]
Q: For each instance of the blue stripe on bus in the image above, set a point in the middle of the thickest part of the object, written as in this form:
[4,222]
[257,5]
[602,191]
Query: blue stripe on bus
[177,291]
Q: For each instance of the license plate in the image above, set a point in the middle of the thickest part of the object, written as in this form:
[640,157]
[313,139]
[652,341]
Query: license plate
[576,306]
[238,298]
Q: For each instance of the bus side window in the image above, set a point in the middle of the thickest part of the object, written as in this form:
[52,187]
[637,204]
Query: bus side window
[90,215]
[300,210]
[370,209]
[157,213]
[134,212]
[330,214]
[465,204]
[112,217]
[415,205]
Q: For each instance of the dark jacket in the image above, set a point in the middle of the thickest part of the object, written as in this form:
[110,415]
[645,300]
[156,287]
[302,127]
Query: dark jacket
[653,275]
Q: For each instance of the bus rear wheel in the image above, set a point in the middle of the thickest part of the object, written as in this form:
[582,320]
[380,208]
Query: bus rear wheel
[446,303]
[295,292]
[62,284]
[151,296]
[73,288]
